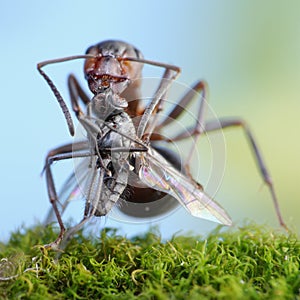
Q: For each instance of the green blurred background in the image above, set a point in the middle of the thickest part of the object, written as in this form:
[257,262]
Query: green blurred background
[248,52]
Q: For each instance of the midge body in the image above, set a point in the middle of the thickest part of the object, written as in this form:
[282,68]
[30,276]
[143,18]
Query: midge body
[119,140]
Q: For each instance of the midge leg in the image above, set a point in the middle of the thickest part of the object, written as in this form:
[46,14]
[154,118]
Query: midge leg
[76,92]
[169,76]
[199,87]
[197,129]
[89,211]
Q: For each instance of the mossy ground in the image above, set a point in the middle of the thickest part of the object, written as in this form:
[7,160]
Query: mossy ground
[252,262]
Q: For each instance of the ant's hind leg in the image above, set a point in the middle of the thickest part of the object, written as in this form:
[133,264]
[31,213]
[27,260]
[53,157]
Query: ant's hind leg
[236,122]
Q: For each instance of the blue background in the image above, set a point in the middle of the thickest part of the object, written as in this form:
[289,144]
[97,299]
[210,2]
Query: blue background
[247,51]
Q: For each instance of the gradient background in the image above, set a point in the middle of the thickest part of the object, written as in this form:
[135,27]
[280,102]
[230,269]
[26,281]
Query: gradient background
[249,52]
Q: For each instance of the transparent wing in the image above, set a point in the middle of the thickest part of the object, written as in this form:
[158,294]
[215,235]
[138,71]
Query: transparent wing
[157,173]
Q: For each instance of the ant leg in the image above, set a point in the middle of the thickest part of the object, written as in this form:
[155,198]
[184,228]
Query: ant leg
[64,237]
[233,122]
[209,126]
[67,148]
[60,153]
[53,200]
[70,184]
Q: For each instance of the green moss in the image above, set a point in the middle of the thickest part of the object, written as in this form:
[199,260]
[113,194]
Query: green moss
[246,263]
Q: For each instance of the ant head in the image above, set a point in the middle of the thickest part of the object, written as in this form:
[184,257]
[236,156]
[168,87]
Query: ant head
[111,67]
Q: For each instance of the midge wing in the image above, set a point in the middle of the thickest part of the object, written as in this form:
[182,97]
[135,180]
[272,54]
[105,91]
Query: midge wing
[158,174]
